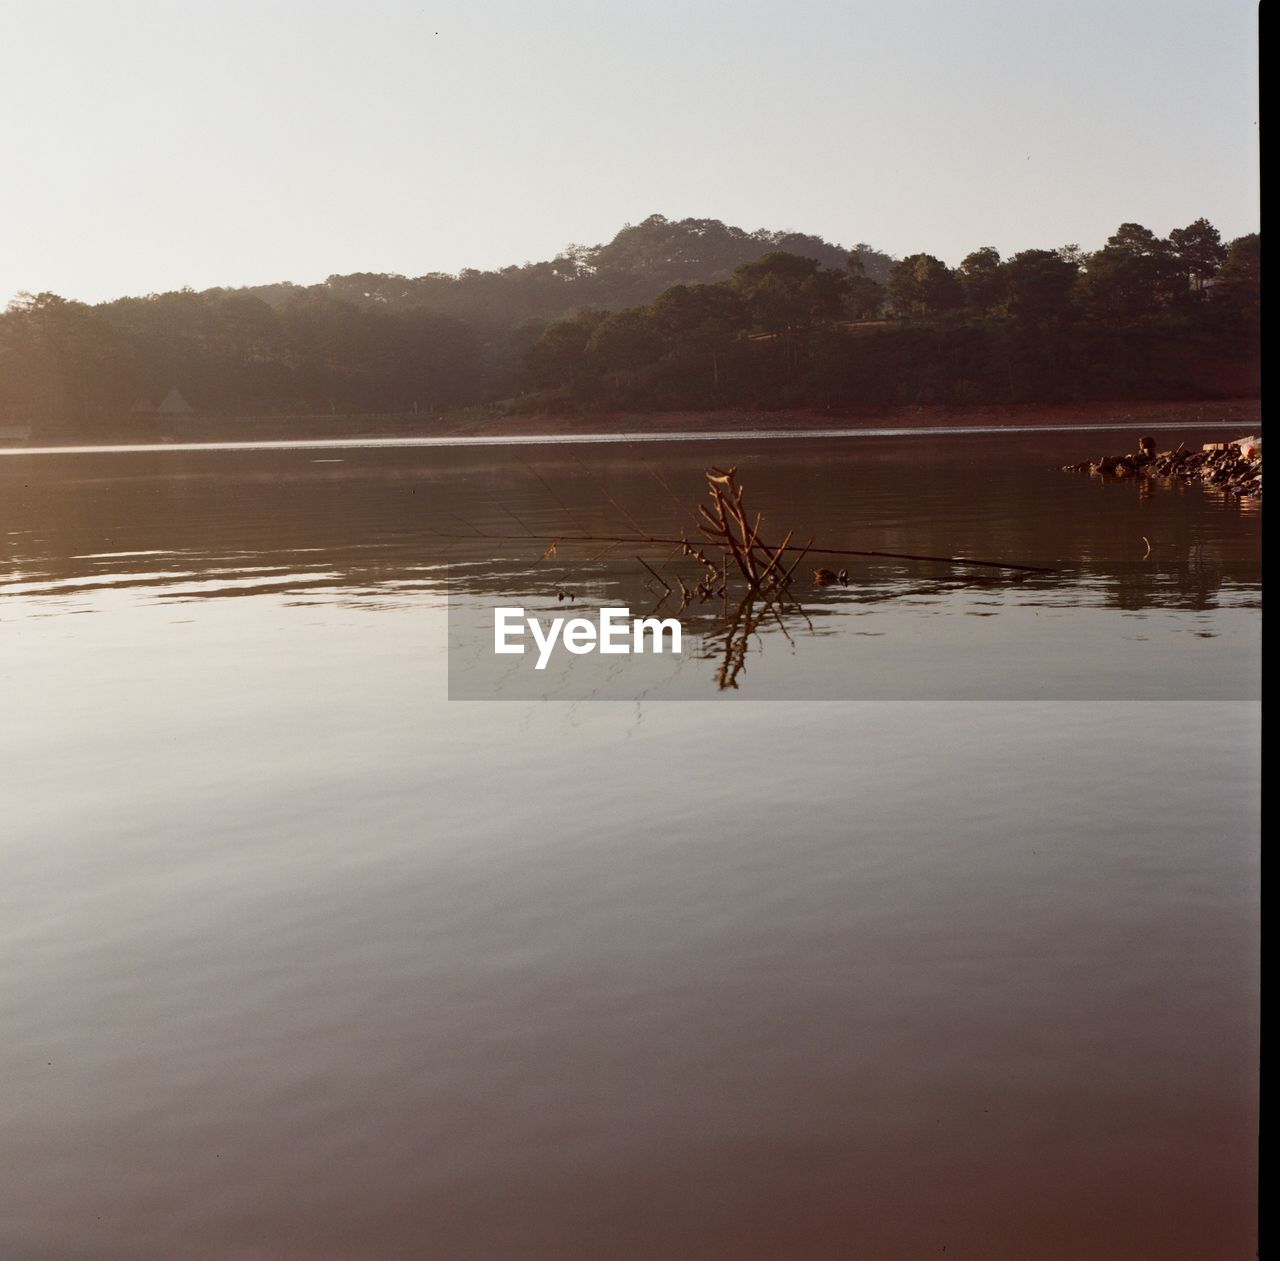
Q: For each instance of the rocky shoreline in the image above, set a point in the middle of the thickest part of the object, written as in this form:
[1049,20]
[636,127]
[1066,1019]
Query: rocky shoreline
[1235,468]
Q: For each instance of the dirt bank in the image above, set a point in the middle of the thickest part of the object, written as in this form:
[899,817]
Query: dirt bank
[1244,412]
[501,422]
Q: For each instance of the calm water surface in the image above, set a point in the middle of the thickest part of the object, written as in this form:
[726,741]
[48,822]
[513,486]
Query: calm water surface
[300,959]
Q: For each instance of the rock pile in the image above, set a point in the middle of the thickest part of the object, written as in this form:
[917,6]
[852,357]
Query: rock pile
[1235,468]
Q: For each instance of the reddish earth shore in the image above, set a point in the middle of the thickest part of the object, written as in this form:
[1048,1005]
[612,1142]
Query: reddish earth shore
[498,422]
[1230,411]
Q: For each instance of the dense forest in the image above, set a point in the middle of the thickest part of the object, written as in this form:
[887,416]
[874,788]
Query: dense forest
[666,315]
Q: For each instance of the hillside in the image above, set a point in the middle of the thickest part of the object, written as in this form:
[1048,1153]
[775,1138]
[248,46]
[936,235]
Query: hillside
[667,316]
[634,267]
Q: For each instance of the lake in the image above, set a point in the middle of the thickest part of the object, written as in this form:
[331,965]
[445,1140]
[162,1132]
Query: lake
[935,933]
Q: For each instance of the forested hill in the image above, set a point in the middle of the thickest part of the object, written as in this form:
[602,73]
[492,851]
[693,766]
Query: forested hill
[632,269]
[667,315]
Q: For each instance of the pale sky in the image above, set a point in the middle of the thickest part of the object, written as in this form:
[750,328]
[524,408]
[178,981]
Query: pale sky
[145,146]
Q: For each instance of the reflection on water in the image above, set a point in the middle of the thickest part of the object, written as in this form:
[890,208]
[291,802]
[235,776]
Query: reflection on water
[386,529]
[298,959]
[388,519]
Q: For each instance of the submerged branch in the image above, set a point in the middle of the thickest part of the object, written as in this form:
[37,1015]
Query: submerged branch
[811,550]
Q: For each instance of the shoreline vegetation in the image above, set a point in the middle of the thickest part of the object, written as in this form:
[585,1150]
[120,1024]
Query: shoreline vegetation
[668,320]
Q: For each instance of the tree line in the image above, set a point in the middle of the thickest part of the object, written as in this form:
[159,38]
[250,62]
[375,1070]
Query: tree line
[1143,316]
[689,313]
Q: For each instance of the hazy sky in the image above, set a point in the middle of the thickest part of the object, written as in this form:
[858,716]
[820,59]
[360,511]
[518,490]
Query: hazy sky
[145,146]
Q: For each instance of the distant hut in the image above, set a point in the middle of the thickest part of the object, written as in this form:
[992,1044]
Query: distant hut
[173,404]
